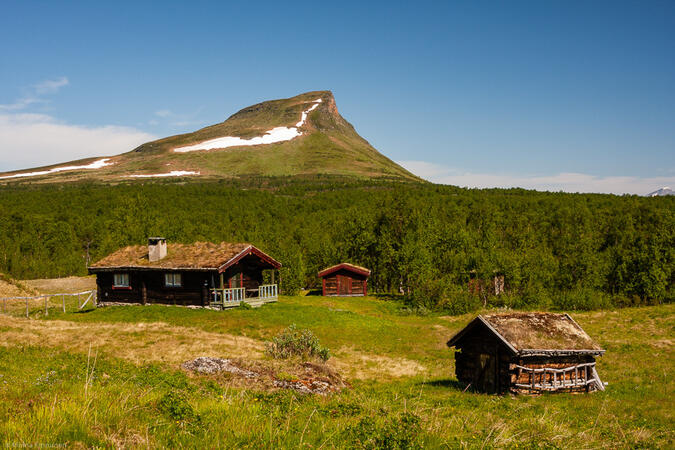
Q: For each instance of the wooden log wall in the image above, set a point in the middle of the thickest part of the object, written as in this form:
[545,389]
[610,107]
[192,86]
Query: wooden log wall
[331,287]
[519,376]
[472,368]
[356,283]
[148,287]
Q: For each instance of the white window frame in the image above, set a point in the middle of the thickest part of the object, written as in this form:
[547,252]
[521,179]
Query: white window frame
[121,280]
[173,279]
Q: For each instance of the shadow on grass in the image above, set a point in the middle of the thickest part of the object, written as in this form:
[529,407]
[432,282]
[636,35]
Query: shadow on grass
[314,293]
[447,383]
[389,297]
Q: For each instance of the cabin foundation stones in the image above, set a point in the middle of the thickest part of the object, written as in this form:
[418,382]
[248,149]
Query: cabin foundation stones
[526,353]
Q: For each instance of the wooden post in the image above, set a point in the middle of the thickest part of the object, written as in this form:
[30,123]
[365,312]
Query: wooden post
[222,280]
[144,293]
[26,308]
[63,300]
[46,310]
[78,300]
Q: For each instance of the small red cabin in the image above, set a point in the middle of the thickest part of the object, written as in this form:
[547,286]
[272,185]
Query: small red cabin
[345,280]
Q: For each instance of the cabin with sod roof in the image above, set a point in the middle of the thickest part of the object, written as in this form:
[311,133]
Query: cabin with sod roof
[345,280]
[526,353]
[201,274]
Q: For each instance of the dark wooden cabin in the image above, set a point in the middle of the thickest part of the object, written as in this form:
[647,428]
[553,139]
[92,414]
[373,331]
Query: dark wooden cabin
[199,274]
[345,280]
[526,353]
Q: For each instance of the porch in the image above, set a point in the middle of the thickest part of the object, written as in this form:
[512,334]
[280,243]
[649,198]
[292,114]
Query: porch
[230,297]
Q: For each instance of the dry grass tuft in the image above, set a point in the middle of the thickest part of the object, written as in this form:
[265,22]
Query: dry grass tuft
[160,342]
[65,285]
[13,288]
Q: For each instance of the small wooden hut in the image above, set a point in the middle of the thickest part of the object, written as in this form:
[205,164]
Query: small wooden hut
[202,273]
[345,280]
[526,353]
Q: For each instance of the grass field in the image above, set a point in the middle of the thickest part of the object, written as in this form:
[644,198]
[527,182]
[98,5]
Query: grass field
[111,377]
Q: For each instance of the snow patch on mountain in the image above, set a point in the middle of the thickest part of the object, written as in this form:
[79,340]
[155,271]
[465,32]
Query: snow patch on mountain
[173,173]
[661,192]
[278,134]
[95,165]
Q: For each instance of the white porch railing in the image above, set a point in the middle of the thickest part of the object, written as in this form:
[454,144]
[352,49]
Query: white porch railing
[228,295]
[268,291]
[233,296]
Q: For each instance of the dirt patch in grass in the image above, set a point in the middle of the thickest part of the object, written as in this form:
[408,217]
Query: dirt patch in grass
[62,285]
[13,288]
[361,365]
[137,342]
[173,345]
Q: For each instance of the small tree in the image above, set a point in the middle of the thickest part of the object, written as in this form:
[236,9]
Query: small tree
[293,342]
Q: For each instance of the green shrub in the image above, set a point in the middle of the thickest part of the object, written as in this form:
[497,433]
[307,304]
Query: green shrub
[293,342]
[581,299]
[176,406]
[443,295]
[341,409]
[400,432]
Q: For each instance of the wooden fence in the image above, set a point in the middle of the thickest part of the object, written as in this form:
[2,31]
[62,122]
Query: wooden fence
[83,299]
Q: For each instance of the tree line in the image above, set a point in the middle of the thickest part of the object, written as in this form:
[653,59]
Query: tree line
[427,242]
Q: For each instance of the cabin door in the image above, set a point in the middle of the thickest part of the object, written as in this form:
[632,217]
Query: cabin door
[487,375]
[236,280]
[343,285]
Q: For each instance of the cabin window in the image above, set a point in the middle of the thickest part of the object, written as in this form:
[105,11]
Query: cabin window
[121,280]
[173,280]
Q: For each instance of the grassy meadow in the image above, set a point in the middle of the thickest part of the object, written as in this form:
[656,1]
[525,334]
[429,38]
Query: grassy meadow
[111,377]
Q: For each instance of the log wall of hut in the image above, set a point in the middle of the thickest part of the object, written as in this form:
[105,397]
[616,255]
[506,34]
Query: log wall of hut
[345,283]
[518,376]
[483,362]
[148,286]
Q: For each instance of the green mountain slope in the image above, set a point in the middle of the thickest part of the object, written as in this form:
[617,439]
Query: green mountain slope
[327,144]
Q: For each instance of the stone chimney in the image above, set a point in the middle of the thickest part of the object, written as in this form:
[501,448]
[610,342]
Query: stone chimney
[156,248]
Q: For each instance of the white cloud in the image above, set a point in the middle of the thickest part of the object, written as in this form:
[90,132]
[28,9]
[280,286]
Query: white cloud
[567,182]
[50,86]
[20,104]
[163,113]
[32,140]
[35,94]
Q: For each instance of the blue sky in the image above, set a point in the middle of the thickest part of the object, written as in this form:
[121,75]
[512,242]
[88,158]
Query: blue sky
[575,96]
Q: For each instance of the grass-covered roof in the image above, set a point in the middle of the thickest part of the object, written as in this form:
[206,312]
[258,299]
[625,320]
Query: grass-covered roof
[533,332]
[199,255]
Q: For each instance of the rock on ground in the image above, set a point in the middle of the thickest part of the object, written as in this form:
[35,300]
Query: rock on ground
[209,365]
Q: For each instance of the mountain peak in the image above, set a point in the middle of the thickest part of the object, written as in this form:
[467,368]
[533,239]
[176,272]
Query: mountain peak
[661,192]
[300,135]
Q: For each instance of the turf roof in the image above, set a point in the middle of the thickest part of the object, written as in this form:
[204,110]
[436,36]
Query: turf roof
[529,332]
[199,255]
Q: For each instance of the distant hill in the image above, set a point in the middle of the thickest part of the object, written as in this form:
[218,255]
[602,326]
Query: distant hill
[301,135]
[661,192]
